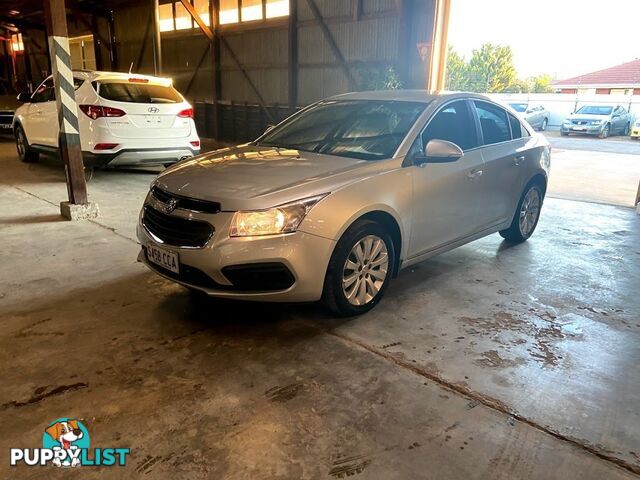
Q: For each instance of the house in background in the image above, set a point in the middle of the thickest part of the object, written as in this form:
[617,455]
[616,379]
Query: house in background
[619,80]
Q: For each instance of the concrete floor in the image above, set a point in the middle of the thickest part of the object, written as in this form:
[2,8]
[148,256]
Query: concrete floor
[594,169]
[489,362]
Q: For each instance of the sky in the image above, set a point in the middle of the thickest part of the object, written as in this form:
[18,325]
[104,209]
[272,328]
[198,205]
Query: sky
[563,38]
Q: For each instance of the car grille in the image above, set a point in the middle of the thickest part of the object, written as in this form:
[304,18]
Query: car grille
[176,231]
[186,203]
[580,122]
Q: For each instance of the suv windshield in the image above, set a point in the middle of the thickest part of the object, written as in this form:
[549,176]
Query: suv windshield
[137,92]
[519,107]
[595,110]
[367,130]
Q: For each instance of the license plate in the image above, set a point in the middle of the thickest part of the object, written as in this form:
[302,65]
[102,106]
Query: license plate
[153,119]
[5,125]
[164,258]
[579,128]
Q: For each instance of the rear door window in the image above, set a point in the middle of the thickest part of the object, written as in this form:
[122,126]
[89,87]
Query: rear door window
[494,123]
[516,127]
[454,123]
[138,92]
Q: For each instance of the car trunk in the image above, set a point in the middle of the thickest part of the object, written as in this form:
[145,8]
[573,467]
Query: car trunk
[151,110]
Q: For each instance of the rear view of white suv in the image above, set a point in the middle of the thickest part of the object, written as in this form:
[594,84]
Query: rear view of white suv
[124,119]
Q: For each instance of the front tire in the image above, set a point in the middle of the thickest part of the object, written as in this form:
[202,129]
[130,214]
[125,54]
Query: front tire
[564,134]
[605,133]
[360,269]
[525,219]
[25,153]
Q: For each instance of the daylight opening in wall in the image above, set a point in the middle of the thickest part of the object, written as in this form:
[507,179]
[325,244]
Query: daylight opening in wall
[16,43]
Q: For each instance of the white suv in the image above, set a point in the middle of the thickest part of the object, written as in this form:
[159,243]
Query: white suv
[125,120]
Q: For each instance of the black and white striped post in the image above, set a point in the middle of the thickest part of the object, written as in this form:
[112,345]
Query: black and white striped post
[69,137]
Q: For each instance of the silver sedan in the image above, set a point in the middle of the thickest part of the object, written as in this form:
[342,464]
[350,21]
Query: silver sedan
[333,202]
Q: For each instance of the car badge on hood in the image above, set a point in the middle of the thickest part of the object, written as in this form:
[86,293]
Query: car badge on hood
[170,206]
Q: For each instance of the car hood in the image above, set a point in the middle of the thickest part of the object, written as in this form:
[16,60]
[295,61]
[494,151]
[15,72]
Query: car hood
[249,177]
[580,116]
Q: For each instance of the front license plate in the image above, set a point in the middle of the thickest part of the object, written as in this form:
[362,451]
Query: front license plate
[579,128]
[5,125]
[164,258]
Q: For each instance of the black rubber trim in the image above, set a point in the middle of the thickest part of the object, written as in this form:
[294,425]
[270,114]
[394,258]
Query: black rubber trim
[186,203]
[259,277]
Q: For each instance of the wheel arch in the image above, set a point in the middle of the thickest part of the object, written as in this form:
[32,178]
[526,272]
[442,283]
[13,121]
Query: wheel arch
[538,179]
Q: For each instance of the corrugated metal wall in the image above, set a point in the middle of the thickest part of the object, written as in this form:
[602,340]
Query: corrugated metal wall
[377,38]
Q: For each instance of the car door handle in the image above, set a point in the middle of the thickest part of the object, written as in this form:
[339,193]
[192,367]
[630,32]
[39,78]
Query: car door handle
[519,159]
[473,174]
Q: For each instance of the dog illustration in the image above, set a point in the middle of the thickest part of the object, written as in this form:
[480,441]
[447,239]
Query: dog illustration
[65,433]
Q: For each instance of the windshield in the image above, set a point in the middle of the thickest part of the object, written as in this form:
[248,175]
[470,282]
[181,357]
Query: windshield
[519,107]
[138,92]
[595,110]
[367,130]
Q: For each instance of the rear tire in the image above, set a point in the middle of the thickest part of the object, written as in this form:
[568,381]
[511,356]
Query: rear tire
[543,127]
[360,269]
[525,219]
[25,152]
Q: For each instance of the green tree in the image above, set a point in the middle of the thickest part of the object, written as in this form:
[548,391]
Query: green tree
[457,72]
[491,69]
[541,84]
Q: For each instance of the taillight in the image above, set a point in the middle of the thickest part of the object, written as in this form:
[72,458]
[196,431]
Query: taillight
[105,146]
[195,143]
[98,111]
[186,113]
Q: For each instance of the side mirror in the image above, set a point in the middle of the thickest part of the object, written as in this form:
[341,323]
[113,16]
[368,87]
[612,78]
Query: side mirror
[440,151]
[24,97]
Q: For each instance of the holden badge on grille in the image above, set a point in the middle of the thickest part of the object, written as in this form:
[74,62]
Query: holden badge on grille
[170,206]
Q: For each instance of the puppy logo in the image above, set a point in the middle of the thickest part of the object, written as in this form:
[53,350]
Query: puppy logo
[66,437]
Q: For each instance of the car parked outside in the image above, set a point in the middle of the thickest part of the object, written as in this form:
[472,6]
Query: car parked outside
[8,105]
[335,200]
[124,119]
[601,120]
[635,131]
[536,115]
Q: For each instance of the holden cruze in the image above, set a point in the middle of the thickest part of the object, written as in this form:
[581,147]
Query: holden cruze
[124,119]
[334,201]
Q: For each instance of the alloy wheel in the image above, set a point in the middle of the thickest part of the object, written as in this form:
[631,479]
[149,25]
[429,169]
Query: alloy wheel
[529,212]
[20,144]
[365,270]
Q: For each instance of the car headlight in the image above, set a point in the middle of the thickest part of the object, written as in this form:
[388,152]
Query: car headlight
[282,219]
[566,121]
[595,122]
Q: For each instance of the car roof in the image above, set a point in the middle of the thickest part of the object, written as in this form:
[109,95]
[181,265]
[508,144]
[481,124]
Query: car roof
[92,75]
[407,96]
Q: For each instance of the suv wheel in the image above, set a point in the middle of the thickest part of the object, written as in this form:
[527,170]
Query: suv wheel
[360,269]
[605,133]
[25,153]
[526,217]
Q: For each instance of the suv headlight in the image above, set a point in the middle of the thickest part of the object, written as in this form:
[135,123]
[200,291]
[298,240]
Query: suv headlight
[282,219]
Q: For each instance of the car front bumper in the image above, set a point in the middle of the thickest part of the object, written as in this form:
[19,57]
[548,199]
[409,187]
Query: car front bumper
[138,157]
[213,267]
[582,129]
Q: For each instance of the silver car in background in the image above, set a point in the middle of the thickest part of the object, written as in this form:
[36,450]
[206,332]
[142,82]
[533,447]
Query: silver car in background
[601,120]
[334,201]
[536,115]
